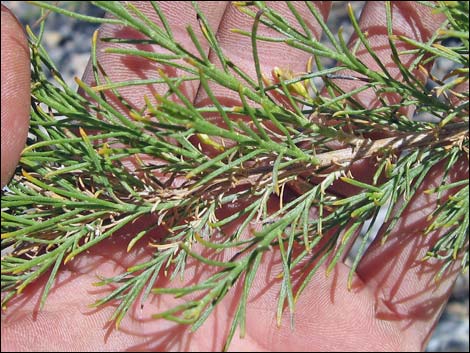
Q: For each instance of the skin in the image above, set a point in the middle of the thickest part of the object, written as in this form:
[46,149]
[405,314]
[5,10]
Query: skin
[15,93]
[393,305]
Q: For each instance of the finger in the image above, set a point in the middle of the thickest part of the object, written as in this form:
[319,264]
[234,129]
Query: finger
[408,19]
[126,67]
[271,55]
[15,96]
[239,49]
[404,287]
[122,68]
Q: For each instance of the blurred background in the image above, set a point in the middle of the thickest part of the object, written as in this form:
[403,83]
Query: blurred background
[68,43]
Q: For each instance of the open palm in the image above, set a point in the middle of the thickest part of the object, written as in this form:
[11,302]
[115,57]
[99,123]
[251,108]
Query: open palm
[394,302]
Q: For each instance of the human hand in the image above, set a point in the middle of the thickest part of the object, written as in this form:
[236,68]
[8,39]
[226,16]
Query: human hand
[394,304]
[15,82]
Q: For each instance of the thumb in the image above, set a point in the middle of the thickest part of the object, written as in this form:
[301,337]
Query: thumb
[15,92]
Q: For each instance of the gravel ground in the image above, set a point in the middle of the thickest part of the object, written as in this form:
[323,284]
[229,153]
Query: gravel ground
[68,42]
